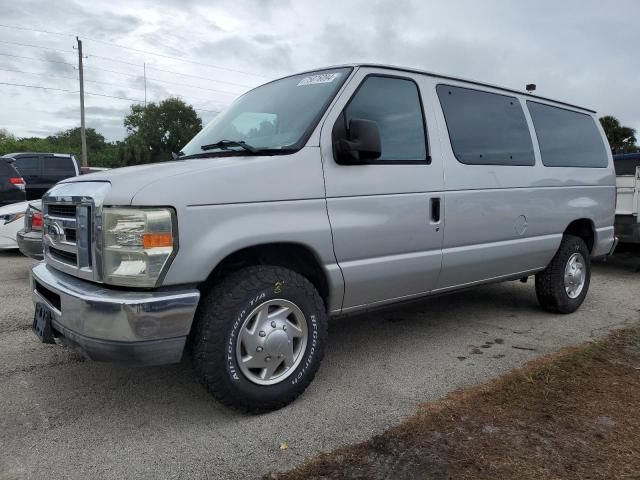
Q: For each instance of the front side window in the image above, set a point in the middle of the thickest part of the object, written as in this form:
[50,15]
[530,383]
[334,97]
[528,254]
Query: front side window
[394,105]
[275,117]
[567,138]
[486,128]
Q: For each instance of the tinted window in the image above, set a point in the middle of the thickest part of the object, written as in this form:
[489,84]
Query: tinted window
[28,165]
[626,164]
[394,104]
[567,138]
[59,165]
[486,128]
[5,168]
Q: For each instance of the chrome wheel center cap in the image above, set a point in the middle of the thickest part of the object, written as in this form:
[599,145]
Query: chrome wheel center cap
[277,343]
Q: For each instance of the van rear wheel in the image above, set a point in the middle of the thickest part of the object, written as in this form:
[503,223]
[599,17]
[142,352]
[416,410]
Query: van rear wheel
[259,338]
[563,285]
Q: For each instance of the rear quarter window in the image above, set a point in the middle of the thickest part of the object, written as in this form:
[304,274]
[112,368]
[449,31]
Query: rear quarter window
[59,165]
[486,128]
[567,138]
[28,165]
[5,168]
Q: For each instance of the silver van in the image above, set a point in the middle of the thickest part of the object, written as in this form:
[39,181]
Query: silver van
[314,195]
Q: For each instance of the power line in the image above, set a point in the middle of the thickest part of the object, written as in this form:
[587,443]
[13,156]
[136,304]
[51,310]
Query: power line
[197,76]
[66,52]
[94,94]
[67,78]
[38,86]
[145,52]
[70,91]
[192,86]
[114,60]
[151,67]
[37,59]
[38,31]
[37,74]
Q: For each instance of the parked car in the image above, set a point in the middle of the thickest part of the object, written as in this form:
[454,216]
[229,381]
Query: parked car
[30,237]
[12,185]
[10,223]
[41,171]
[318,194]
[628,200]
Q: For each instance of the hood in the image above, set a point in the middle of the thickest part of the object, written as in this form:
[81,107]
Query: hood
[207,181]
[19,207]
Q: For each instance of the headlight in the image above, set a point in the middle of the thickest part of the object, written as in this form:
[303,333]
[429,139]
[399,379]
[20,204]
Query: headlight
[137,245]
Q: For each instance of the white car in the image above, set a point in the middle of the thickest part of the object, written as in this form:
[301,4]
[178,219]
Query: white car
[11,221]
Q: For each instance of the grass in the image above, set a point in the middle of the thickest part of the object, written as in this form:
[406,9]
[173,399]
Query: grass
[571,415]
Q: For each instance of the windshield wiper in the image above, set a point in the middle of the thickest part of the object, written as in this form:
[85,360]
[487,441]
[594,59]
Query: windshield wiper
[225,144]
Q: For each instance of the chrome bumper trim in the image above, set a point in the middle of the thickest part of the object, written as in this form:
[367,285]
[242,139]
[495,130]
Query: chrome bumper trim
[94,312]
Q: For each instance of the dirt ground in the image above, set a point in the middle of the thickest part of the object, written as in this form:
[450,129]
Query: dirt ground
[571,415]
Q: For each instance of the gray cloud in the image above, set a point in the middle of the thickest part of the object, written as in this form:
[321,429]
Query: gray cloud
[585,52]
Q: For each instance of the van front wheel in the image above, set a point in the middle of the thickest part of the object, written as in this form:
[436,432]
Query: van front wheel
[563,285]
[259,338]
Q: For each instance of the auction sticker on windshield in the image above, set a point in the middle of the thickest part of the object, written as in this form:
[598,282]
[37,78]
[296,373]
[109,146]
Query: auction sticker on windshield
[321,78]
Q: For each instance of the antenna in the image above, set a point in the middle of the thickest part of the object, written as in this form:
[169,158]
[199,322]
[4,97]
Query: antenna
[531,87]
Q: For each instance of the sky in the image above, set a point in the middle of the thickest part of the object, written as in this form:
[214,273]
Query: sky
[210,51]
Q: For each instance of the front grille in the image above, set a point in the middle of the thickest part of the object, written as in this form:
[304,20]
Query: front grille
[61,210]
[62,256]
[70,235]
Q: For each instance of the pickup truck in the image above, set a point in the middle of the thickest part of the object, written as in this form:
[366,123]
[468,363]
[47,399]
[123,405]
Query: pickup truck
[627,224]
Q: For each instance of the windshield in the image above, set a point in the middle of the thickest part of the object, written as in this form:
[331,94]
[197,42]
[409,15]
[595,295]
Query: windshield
[275,116]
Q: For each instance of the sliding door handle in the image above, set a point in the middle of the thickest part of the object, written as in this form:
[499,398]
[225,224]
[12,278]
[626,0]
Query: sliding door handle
[435,209]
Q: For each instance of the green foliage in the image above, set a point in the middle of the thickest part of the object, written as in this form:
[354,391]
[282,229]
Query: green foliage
[159,129]
[154,132]
[621,139]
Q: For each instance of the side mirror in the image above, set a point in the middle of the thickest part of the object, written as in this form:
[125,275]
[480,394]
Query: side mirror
[363,142]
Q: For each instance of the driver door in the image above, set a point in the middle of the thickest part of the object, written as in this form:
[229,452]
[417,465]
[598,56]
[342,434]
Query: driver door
[385,214]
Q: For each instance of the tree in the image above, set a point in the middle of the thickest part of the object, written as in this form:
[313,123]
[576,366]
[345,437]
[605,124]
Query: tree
[621,139]
[71,140]
[159,129]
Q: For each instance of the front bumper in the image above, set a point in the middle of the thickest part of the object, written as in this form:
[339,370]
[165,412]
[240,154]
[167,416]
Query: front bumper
[134,327]
[30,244]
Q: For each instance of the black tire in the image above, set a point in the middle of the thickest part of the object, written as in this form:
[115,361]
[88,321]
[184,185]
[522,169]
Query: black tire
[550,286]
[219,319]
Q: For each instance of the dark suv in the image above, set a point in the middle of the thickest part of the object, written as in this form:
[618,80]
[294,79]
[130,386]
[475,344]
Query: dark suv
[41,171]
[11,184]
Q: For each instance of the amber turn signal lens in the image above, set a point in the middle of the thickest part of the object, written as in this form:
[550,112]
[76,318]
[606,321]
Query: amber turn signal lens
[153,240]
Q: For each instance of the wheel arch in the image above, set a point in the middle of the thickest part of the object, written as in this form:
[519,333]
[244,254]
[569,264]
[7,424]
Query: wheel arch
[292,255]
[585,229]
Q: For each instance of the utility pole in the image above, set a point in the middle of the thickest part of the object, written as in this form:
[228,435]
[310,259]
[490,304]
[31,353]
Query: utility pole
[82,131]
[144,65]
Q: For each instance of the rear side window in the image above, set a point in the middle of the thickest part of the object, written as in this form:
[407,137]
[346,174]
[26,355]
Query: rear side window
[486,128]
[5,168]
[394,104]
[59,165]
[28,165]
[567,138]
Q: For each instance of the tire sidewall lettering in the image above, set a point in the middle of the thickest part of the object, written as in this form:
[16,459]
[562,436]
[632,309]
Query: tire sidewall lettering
[232,370]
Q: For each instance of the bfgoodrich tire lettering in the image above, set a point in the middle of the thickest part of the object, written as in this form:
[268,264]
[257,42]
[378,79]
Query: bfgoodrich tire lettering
[551,287]
[221,318]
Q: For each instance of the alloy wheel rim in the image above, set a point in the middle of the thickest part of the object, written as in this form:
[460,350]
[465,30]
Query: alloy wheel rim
[271,342]
[575,275]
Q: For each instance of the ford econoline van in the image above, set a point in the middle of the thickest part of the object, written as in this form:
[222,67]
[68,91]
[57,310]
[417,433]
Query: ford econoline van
[318,194]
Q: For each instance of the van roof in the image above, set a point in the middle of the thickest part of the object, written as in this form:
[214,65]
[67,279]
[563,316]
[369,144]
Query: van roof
[449,77]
